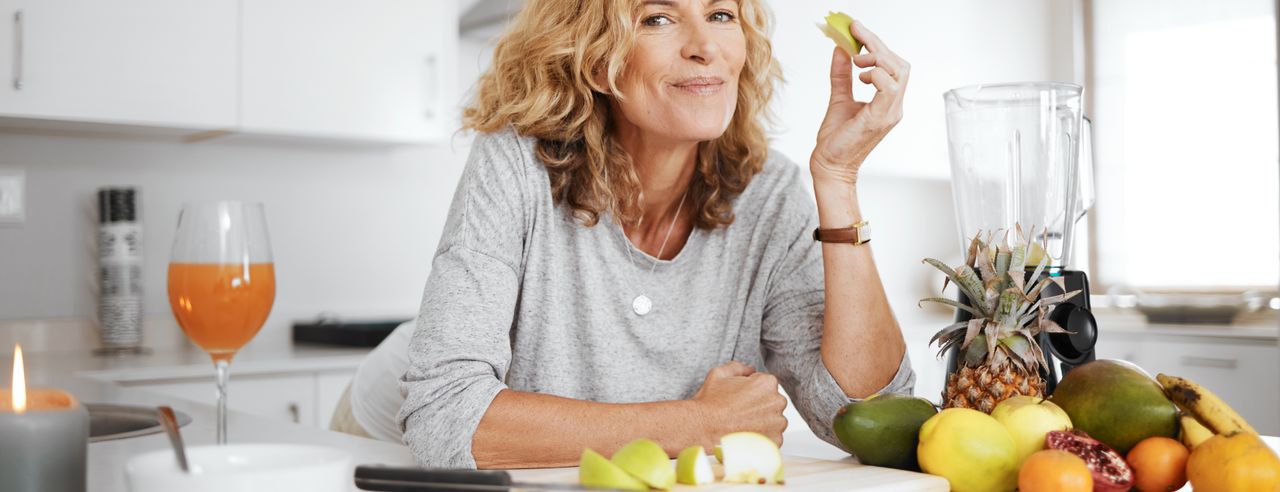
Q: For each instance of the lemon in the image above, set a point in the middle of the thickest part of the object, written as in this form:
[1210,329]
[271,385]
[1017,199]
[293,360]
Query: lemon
[1028,419]
[972,450]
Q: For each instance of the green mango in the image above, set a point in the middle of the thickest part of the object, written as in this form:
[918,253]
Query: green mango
[884,430]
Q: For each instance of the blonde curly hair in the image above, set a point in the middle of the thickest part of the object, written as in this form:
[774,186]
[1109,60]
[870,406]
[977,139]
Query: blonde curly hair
[541,83]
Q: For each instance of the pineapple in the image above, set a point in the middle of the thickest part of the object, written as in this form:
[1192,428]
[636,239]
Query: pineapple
[999,357]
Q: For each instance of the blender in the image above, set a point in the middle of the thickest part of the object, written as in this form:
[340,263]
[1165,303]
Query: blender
[1021,156]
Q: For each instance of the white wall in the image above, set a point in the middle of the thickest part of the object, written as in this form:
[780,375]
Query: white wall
[353,229]
[948,43]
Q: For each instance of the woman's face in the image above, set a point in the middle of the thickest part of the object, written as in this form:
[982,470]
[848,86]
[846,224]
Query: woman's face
[681,79]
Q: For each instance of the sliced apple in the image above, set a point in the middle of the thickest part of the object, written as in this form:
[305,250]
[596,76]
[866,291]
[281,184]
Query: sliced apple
[837,27]
[750,457]
[646,460]
[597,472]
[719,452]
[692,467]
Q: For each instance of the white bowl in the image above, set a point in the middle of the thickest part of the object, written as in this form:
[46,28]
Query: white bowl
[243,468]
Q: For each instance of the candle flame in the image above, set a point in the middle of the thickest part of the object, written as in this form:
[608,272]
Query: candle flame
[19,393]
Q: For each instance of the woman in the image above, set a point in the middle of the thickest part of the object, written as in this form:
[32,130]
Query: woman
[624,256]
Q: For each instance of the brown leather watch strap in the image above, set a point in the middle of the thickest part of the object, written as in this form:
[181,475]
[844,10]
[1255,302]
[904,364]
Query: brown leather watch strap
[857,234]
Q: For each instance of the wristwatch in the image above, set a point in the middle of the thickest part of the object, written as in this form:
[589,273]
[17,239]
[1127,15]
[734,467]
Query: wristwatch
[857,234]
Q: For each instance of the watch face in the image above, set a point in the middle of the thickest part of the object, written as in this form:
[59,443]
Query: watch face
[864,233]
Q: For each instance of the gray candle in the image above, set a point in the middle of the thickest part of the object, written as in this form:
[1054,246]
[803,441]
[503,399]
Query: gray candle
[44,436]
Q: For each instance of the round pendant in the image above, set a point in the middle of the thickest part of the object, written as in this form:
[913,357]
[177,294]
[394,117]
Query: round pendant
[641,305]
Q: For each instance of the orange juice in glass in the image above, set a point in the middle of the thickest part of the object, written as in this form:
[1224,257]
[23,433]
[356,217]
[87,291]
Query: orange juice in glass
[221,306]
[221,282]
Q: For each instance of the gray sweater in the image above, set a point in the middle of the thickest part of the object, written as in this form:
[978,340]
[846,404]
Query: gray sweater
[523,296]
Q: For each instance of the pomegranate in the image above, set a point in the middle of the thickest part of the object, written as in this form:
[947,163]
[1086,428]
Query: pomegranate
[1110,472]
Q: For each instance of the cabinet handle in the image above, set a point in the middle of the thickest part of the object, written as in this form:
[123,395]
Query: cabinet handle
[433,87]
[295,413]
[1189,360]
[18,35]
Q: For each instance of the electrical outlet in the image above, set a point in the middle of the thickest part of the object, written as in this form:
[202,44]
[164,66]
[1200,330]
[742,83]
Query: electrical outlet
[12,199]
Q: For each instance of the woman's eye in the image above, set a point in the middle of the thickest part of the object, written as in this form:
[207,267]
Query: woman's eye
[722,16]
[656,20]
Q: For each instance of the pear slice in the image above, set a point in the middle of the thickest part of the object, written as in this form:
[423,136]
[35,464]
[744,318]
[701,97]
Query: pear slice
[692,467]
[597,472]
[750,457]
[719,452]
[837,27]
[646,460]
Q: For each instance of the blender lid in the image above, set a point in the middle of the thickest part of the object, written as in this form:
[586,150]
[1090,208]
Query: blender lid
[1004,93]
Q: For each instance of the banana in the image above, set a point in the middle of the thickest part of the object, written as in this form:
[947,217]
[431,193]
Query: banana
[1204,405]
[1193,432]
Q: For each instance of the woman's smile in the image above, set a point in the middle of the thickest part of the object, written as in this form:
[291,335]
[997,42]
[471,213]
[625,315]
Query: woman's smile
[699,86]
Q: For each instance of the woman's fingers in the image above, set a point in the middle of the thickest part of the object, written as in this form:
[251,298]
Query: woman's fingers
[868,38]
[864,60]
[841,76]
[888,98]
[730,369]
[879,54]
[883,82]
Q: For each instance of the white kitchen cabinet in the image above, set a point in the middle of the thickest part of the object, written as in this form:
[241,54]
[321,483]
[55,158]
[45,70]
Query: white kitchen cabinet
[287,398]
[329,389]
[379,70]
[1241,371]
[148,63]
[306,398]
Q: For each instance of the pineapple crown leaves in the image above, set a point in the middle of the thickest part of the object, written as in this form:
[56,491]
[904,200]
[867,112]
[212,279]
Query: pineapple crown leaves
[1007,312]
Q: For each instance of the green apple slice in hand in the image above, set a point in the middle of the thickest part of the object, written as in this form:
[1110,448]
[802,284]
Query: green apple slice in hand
[838,27]
[597,472]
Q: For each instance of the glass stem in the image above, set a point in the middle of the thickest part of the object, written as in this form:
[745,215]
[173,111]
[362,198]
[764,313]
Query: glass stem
[222,366]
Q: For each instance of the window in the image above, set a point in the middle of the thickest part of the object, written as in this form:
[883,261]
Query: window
[1184,105]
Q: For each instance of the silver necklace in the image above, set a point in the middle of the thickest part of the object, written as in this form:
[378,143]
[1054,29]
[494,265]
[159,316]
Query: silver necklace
[642,304]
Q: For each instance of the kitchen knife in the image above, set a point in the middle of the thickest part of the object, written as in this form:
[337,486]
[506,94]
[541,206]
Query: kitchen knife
[398,479]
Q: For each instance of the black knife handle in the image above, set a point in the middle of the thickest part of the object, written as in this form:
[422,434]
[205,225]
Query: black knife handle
[405,479]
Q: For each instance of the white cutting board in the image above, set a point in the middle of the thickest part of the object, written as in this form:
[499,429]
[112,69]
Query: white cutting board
[802,474]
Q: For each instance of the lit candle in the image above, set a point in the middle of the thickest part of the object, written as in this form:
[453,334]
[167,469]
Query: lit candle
[44,436]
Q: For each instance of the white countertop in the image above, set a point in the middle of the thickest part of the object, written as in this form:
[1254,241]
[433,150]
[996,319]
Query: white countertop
[1131,323]
[194,363]
[94,379]
[89,379]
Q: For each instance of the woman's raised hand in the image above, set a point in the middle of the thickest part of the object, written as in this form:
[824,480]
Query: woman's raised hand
[852,128]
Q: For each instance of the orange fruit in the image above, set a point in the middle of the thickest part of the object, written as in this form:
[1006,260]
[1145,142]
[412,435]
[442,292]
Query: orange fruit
[1159,464]
[1231,462]
[1054,471]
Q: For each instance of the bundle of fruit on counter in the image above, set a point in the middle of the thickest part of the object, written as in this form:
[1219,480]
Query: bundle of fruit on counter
[1109,426]
[745,457]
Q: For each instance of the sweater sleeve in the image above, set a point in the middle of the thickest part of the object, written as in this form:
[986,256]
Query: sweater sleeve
[461,348]
[791,333]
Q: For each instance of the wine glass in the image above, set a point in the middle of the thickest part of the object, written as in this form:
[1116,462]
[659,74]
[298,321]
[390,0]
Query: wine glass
[221,282]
